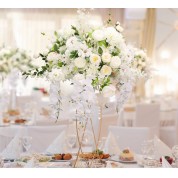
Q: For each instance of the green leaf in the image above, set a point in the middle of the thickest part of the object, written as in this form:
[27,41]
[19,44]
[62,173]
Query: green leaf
[103,43]
[55,48]
[74,54]
[116,52]
[75,29]
[60,64]
[100,51]
[56,34]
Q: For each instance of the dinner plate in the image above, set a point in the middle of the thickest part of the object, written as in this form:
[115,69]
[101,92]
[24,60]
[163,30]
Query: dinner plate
[54,160]
[116,158]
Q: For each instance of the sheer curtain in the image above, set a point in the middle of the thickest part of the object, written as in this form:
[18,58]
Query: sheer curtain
[23,27]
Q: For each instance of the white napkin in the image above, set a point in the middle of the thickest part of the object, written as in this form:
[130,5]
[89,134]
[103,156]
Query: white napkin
[161,149]
[57,145]
[30,163]
[108,165]
[13,149]
[165,163]
[111,145]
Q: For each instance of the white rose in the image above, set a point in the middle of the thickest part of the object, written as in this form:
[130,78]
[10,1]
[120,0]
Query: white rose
[109,91]
[95,59]
[98,35]
[115,62]
[106,57]
[106,70]
[53,56]
[80,62]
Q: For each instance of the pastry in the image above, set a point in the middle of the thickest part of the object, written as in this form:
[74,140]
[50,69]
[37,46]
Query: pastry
[13,112]
[20,121]
[57,157]
[97,154]
[5,120]
[63,156]
[67,156]
[126,155]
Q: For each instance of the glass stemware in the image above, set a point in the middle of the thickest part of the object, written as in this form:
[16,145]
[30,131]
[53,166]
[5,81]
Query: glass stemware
[27,142]
[175,154]
[71,140]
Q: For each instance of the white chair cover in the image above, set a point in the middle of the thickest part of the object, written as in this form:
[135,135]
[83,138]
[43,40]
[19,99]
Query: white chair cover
[169,134]
[148,115]
[131,137]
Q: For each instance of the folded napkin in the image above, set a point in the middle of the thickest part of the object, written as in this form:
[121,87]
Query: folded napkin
[111,145]
[57,146]
[13,149]
[161,149]
[165,163]
[30,163]
[108,165]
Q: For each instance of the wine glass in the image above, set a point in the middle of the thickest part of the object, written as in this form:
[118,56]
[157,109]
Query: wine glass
[27,142]
[71,140]
[1,162]
[175,154]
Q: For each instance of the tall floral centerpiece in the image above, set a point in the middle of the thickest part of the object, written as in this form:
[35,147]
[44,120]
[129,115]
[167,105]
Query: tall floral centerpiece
[12,62]
[95,62]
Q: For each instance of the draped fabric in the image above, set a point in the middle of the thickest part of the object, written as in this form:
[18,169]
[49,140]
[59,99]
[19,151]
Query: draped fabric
[149,31]
[23,27]
[148,44]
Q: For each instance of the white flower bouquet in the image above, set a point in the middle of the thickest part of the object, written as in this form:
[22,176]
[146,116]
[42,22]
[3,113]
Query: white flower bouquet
[96,54]
[14,59]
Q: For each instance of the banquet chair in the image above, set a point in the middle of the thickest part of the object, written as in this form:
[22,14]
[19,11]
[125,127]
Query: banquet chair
[110,117]
[148,115]
[169,134]
[131,137]
[42,136]
[127,116]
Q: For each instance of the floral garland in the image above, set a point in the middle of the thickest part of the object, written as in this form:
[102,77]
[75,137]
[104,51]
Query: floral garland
[96,58]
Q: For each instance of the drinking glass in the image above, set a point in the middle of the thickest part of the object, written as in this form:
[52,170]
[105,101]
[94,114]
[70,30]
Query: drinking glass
[27,142]
[148,149]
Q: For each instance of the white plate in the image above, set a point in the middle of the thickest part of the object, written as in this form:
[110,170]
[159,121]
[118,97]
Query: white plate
[54,160]
[116,158]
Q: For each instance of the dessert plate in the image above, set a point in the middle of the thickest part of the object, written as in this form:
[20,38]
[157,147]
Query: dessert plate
[116,158]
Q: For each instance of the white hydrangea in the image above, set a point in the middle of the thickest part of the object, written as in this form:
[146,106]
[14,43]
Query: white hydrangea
[98,35]
[53,56]
[115,62]
[109,91]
